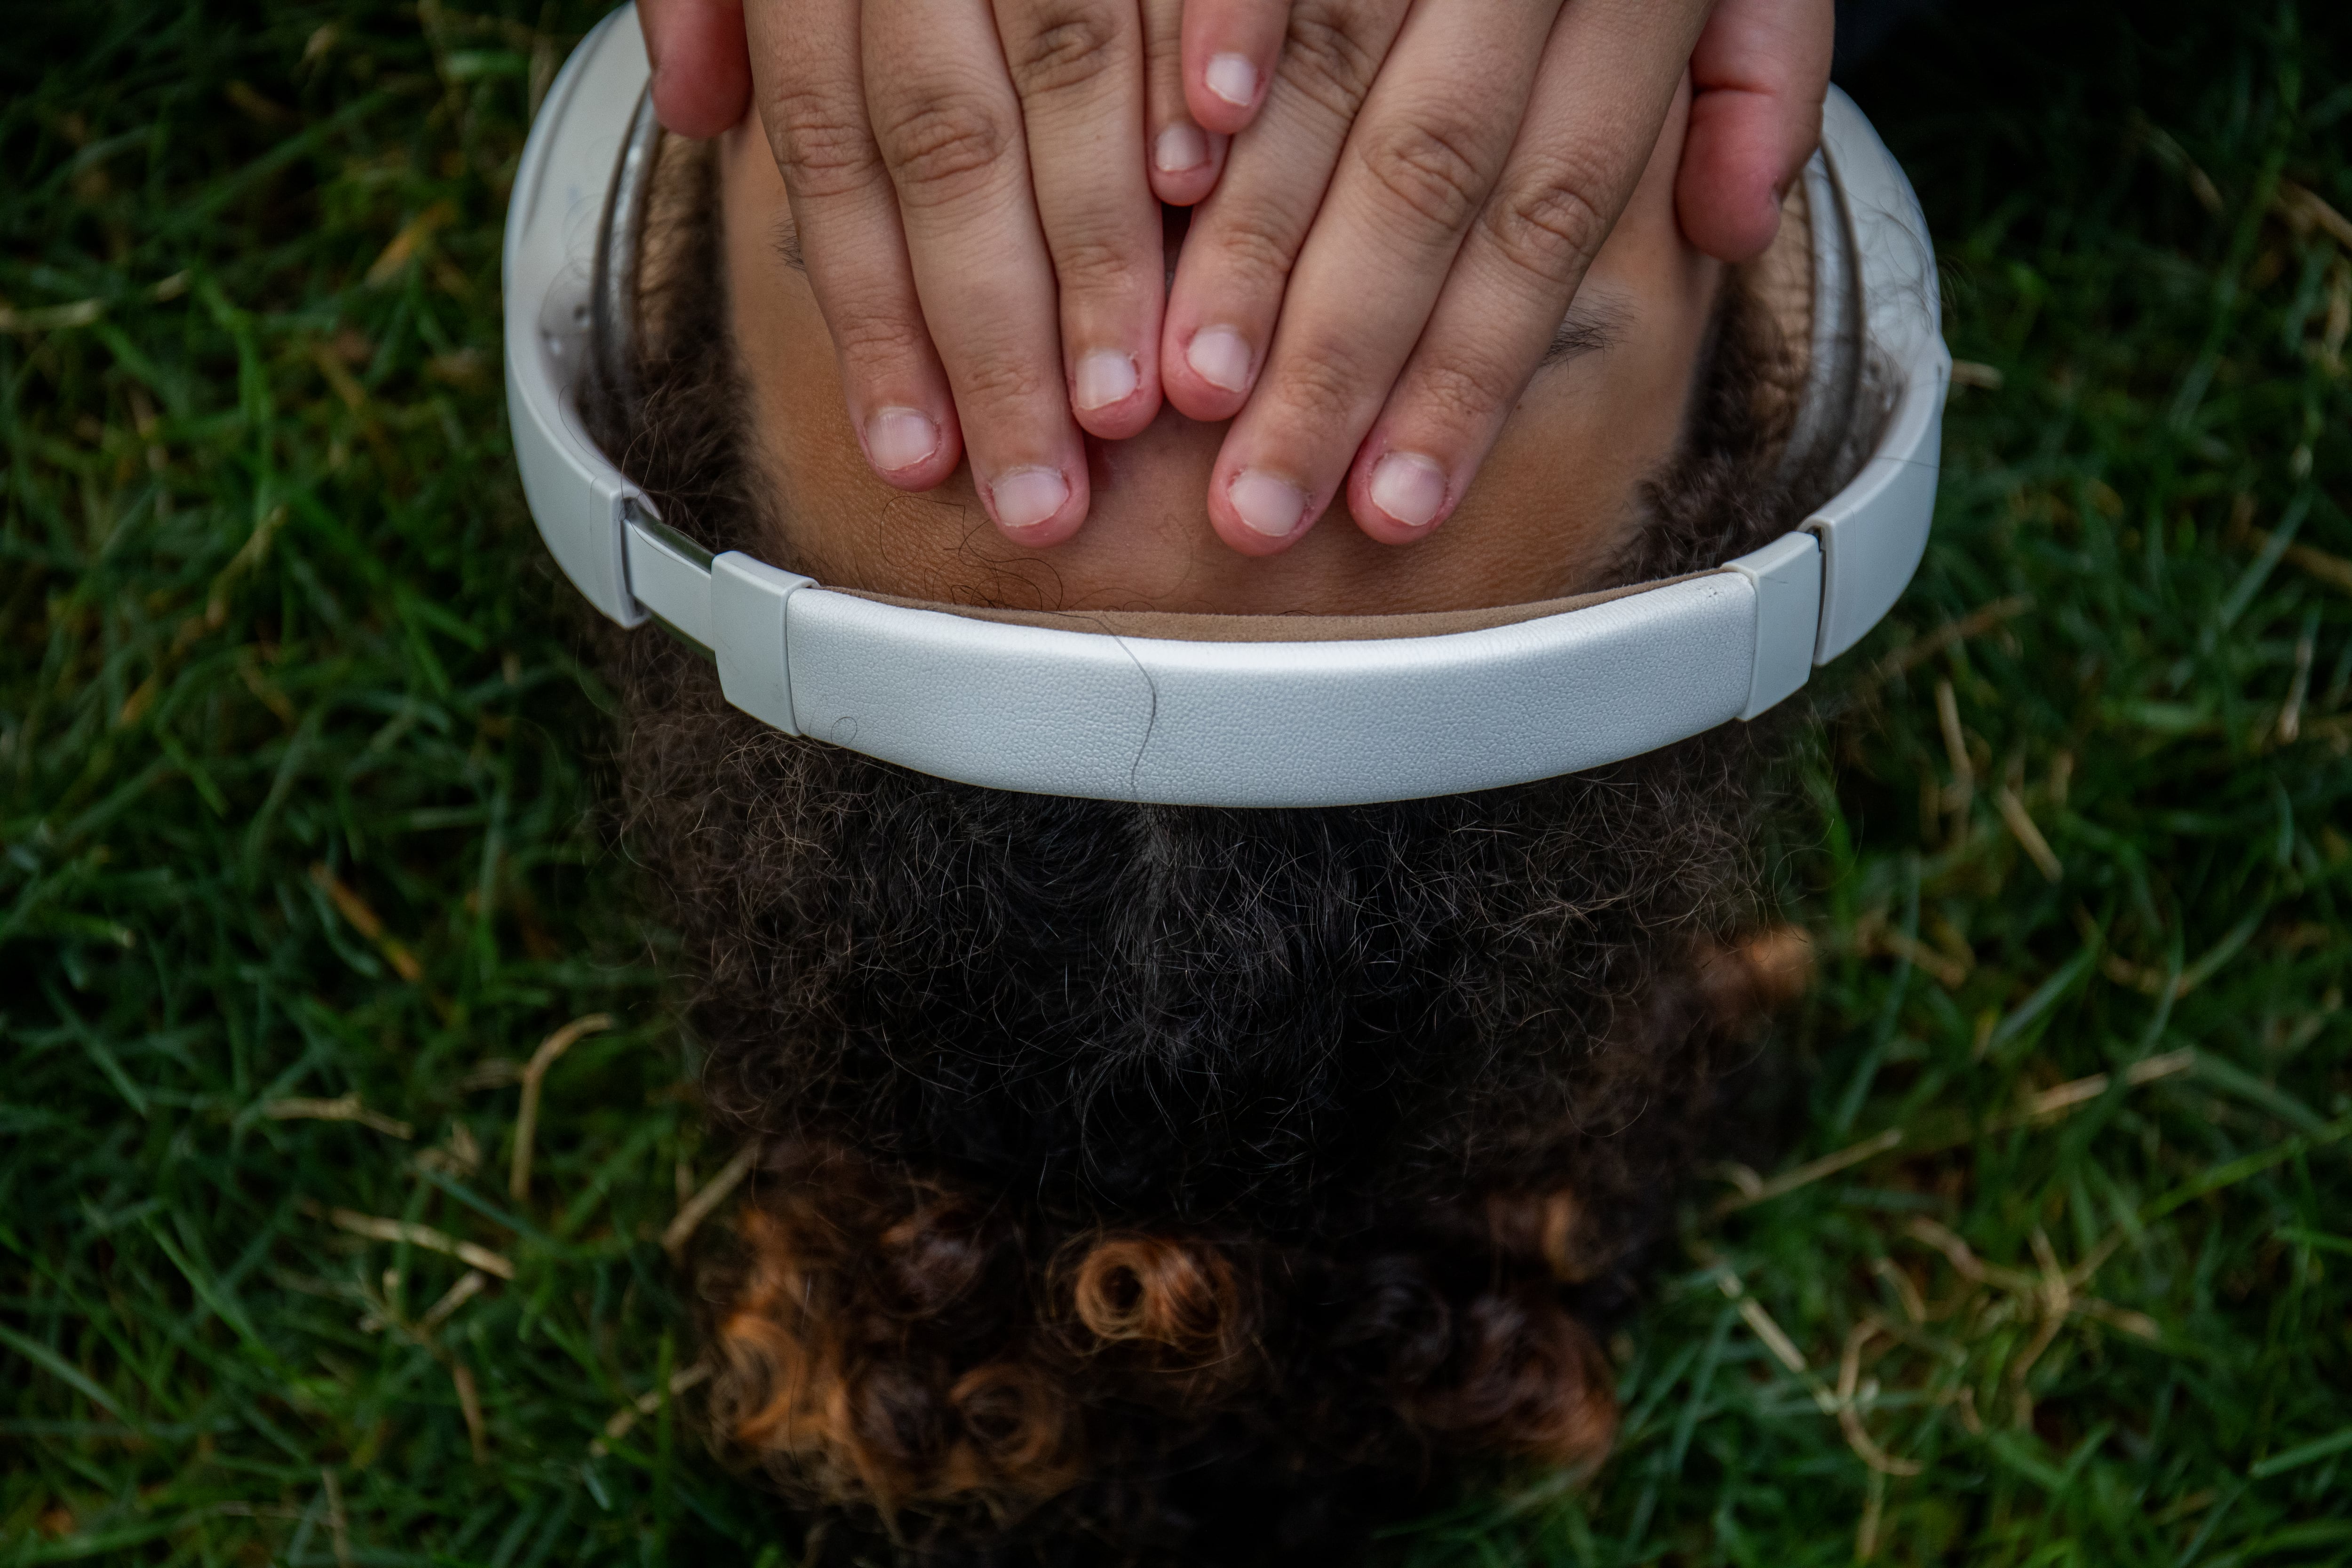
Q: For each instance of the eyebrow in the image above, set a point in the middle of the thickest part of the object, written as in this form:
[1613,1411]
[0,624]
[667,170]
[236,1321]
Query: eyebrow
[1598,321]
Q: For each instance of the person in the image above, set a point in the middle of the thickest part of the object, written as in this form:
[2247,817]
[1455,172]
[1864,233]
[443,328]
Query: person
[1148,1184]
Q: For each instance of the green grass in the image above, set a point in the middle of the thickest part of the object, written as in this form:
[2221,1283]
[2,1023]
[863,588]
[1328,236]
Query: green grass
[300,785]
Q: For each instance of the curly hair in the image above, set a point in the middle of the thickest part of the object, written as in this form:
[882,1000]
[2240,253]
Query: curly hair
[1147,1184]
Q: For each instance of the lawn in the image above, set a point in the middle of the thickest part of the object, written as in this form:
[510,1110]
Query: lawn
[307,864]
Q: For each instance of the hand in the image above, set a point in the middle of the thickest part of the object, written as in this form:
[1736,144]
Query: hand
[976,212]
[1390,248]
[1413,334]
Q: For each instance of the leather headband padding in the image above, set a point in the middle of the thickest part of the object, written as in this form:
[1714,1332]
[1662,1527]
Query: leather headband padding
[1168,625]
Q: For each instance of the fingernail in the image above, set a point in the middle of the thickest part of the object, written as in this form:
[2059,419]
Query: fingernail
[1409,487]
[1219,356]
[1028,497]
[1106,376]
[899,438]
[1179,147]
[1268,505]
[1233,79]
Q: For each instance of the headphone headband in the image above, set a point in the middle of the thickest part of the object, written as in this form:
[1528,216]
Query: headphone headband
[1276,723]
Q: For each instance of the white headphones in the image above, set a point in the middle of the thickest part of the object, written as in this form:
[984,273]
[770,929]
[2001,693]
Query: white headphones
[1103,714]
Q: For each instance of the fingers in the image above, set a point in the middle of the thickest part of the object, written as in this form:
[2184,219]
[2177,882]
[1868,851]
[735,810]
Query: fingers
[1761,69]
[948,130]
[811,102]
[1185,157]
[1238,258]
[969,194]
[1610,73]
[702,70]
[1417,167]
[1078,68]
[1229,49]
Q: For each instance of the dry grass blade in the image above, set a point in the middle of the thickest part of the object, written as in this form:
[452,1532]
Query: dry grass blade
[2140,977]
[404,245]
[469,1285]
[469,1403]
[51,318]
[533,1074]
[1873,935]
[490,1072]
[1963,1257]
[1976,623]
[2055,1291]
[1915,1306]
[2290,719]
[346,1108]
[2333,570]
[2067,1096]
[364,920]
[1850,1418]
[2138,1324]
[1812,1171]
[2150,982]
[1956,750]
[423,1235]
[2028,836]
[714,1192]
[1774,1339]
[1873,1512]
[2054,1301]
[2304,210]
[339,1524]
[646,1403]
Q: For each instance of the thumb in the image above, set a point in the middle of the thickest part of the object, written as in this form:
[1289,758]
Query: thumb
[1759,72]
[702,66]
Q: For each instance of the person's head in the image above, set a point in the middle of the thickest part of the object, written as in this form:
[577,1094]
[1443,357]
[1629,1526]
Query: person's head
[1148,1181]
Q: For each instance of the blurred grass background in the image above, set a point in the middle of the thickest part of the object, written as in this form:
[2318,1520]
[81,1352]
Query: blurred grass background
[299,787]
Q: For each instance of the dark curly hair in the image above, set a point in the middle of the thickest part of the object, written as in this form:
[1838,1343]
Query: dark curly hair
[1147,1184]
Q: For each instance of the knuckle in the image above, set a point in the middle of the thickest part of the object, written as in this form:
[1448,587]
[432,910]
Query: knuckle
[870,336]
[1546,225]
[1429,167]
[1254,246]
[1006,380]
[1457,394]
[825,147]
[1067,45]
[943,146]
[1086,265]
[1321,387]
[1328,55]
[1252,234]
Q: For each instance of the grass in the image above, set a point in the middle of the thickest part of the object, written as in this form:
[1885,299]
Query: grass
[299,783]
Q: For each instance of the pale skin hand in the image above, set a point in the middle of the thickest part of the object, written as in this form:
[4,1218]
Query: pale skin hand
[1375,271]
